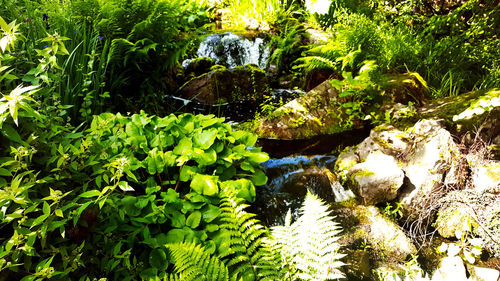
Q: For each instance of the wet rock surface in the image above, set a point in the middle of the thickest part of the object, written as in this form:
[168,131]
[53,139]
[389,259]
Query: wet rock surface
[424,154]
[289,180]
[222,85]
[305,117]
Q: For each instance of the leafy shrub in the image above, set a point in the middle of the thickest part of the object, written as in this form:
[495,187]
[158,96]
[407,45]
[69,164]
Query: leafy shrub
[103,201]
[287,45]
[308,246]
[303,250]
[147,38]
[242,255]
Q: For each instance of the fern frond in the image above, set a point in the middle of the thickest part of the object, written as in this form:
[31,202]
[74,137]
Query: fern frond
[172,277]
[322,56]
[315,62]
[194,262]
[245,254]
[119,47]
[309,245]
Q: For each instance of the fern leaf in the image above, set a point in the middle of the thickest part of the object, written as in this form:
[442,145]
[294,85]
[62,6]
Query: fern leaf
[309,246]
[247,256]
[193,262]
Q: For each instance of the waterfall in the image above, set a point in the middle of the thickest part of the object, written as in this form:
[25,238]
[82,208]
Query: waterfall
[232,50]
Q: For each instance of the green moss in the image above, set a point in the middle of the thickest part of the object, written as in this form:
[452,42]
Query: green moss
[493,171]
[217,68]
[364,173]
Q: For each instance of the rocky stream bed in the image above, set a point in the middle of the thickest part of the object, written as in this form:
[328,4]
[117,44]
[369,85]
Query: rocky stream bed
[398,190]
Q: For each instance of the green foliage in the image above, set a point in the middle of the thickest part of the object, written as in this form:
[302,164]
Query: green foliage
[356,93]
[147,38]
[194,262]
[454,51]
[241,253]
[308,246]
[146,180]
[393,212]
[304,250]
[287,45]
[242,243]
[257,14]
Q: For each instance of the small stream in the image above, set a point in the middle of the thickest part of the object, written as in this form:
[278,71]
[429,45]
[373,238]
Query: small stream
[291,174]
[289,180]
[234,111]
[232,50]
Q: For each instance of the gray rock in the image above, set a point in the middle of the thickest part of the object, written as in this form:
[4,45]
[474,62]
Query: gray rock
[483,273]
[370,239]
[486,177]
[386,139]
[377,179]
[431,154]
[421,155]
[450,269]
[305,117]
[221,85]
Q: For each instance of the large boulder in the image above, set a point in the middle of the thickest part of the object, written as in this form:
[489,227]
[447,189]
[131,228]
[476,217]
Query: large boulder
[370,239]
[318,112]
[411,169]
[222,85]
[468,112]
[305,117]
[430,156]
[377,179]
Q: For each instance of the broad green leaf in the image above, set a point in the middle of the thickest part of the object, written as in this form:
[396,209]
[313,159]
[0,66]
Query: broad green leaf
[149,274]
[59,213]
[158,259]
[258,157]
[90,193]
[205,139]
[212,227]
[178,220]
[210,212]
[128,202]
[170,196]
[184,147]
[194,219]
[259,178]
[175,236]
[187,173]
[206,158]
[132,130]
[42,218]
[5,172]
[11,133]
[205,184]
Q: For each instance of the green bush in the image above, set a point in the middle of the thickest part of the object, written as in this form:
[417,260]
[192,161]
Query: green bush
[101,202]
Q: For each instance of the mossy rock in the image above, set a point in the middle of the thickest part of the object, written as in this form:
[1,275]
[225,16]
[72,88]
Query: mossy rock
[199,66]
[365,228]
[454,218]
[310,115]
[468,111]
[221,85]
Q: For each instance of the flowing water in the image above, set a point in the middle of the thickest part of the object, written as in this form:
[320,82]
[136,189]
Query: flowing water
[289,180]
[289,177]
[235,111]
[232,50]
